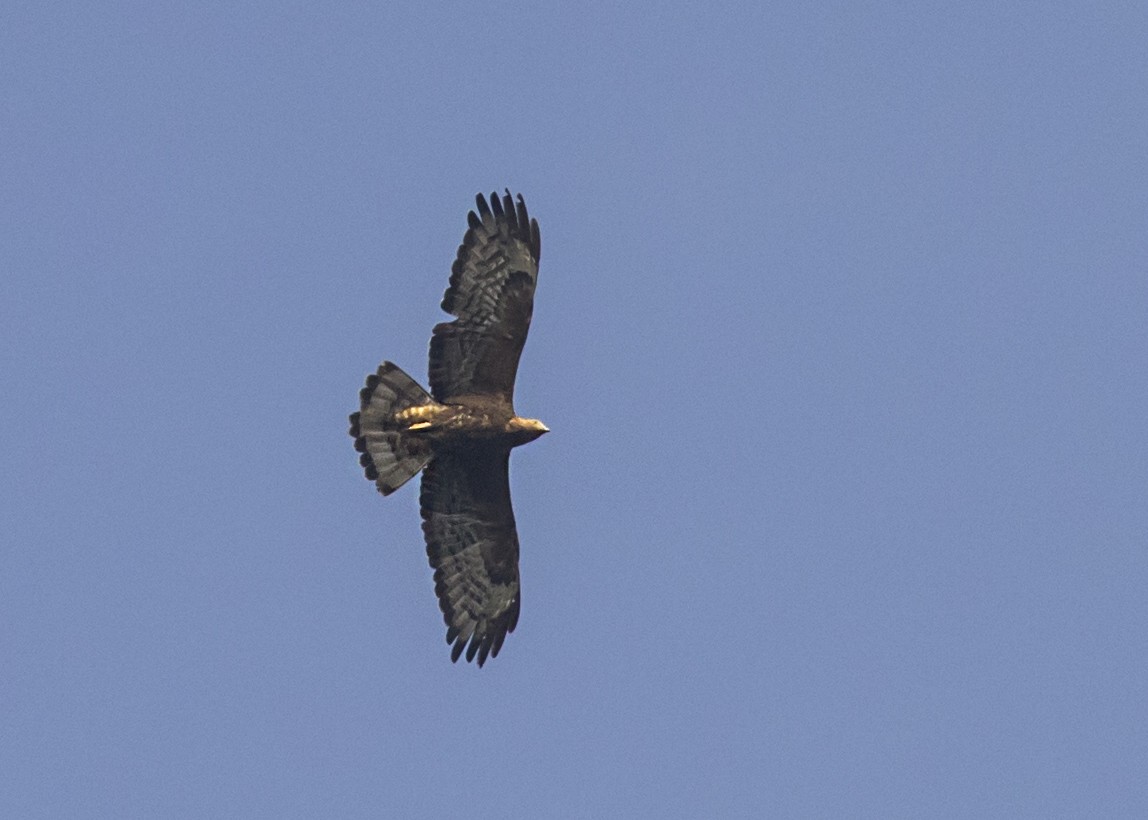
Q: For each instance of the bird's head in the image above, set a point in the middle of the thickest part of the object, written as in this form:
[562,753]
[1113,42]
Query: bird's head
[526,429]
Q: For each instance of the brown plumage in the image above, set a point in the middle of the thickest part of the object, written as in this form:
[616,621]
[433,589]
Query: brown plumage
[463,430]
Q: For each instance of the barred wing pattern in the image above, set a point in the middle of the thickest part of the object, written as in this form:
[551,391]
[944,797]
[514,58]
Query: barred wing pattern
[472,545]
[492,293]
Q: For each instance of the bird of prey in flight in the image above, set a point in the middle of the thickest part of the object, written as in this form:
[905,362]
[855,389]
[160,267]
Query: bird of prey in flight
[460,433]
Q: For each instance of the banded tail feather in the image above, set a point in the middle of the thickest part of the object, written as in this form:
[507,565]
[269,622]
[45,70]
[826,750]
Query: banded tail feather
[389,457]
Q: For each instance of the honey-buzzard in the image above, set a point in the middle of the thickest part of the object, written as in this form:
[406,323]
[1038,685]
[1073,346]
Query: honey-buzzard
[463,430]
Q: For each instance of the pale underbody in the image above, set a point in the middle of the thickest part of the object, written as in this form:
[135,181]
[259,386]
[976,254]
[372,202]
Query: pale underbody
[442,422]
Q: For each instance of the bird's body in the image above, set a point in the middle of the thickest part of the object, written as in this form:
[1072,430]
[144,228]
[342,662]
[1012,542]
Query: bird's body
[467,420]
[460,433]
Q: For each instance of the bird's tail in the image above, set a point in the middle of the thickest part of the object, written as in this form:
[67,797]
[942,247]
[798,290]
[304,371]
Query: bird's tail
[389,457]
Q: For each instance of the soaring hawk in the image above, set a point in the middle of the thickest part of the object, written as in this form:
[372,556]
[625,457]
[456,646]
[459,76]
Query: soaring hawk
[463,430]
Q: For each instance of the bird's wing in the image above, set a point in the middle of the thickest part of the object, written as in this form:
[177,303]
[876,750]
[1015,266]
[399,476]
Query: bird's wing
[472,545]
[491,292]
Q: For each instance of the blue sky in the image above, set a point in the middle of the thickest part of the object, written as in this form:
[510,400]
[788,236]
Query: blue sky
[840,332]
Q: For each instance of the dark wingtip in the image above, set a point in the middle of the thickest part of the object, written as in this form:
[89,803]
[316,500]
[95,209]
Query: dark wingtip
[483,208]
[509,208]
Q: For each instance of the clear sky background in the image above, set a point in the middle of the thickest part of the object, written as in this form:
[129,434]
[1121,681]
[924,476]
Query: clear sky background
[840,331]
